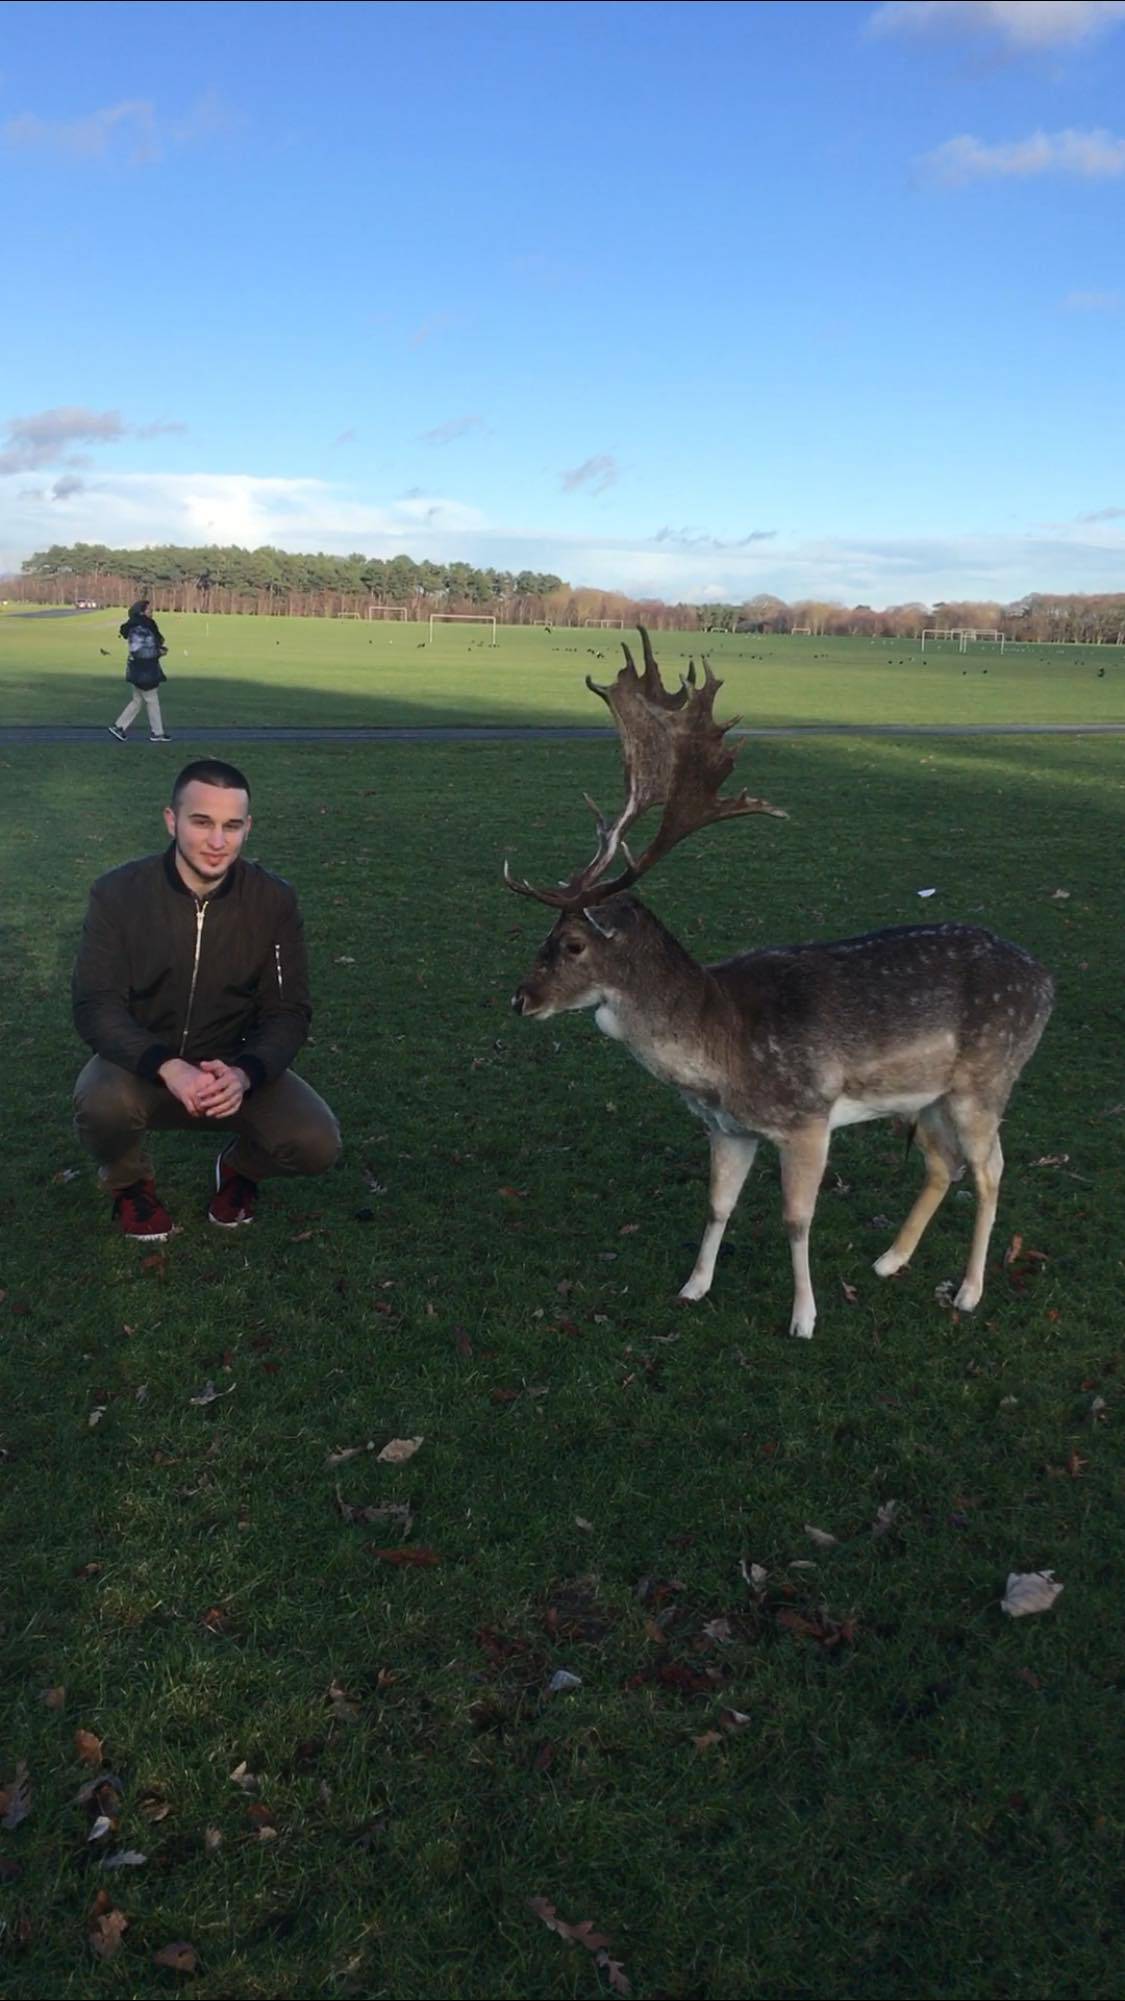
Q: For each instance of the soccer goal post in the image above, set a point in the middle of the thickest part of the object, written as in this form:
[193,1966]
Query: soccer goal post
[800,632]
[398,611]
[461,618]
[965,636]
[606,624]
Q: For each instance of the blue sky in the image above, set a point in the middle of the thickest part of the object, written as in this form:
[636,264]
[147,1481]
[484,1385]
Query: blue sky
[697,300]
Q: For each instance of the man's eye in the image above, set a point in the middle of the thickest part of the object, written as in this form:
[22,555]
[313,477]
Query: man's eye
[575,947]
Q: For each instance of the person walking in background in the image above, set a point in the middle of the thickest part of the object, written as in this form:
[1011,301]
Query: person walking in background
[143,671]
[191,988]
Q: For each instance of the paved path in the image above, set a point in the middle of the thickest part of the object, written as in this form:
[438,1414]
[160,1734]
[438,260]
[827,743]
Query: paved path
[33,733]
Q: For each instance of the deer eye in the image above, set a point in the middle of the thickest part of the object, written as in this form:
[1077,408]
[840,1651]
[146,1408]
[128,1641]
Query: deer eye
[575,947]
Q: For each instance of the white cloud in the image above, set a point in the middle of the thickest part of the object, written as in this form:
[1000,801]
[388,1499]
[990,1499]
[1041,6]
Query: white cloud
[697,538]
[455,427]
[1026,25]
[132,509]
[46,437]
[131,129]
[1096,155]
[596,473]
[1091,302]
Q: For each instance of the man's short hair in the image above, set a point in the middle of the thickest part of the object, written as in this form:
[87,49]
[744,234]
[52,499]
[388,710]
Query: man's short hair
[210,771]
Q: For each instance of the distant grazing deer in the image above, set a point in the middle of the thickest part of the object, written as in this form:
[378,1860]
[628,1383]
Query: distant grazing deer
[934,1021]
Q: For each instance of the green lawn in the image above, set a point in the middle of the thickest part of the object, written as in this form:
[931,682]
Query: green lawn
[343,671]
[933,1805]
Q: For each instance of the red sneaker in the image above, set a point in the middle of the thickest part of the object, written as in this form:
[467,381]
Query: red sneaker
[234,1197]
[140,1213]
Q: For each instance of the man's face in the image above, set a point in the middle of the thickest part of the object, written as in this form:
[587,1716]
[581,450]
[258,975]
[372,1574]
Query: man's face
[209,827]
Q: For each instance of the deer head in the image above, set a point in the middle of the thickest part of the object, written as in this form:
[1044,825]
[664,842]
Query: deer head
[675,756]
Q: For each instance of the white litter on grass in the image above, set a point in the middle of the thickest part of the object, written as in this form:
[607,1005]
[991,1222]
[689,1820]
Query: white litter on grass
[927,892]
[884,1518]
[754,1574]
[562,1681]
[1029,1591]
[125,1858]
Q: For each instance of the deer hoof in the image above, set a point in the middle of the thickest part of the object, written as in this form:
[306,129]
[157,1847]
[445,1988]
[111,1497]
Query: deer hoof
[968,1296]
[693,1290]
[801,1326]
[890,1262]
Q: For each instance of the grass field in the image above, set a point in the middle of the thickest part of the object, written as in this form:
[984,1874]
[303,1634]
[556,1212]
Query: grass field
[922,1797]
[343,671]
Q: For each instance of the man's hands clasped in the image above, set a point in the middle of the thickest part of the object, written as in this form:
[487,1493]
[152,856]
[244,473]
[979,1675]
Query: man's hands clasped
[211,1089]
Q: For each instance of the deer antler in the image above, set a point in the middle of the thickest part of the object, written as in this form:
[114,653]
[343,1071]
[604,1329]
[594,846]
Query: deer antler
[674,756]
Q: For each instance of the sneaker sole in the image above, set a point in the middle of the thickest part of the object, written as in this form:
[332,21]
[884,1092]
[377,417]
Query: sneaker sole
[238,1223]
[148,1237]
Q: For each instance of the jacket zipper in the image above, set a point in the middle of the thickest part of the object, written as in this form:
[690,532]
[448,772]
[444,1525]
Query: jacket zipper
[277,963]
[200,914]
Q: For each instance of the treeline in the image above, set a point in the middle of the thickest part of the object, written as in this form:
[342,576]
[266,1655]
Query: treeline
[277,583]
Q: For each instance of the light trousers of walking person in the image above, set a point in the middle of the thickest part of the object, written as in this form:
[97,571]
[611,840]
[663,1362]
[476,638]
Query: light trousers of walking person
[151,699]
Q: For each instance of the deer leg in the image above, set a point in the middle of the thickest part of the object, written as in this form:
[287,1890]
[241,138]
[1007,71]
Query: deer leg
[731,1161]
[978,1133]
[938,1142]
[803,1160]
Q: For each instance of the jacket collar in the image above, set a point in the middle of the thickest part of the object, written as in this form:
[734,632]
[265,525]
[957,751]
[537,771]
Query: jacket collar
[175,879]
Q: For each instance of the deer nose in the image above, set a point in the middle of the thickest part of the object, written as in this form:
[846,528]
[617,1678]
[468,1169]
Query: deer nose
[518,1000]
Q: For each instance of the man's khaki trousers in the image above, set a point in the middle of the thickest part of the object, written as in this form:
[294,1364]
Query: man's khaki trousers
[281,1128]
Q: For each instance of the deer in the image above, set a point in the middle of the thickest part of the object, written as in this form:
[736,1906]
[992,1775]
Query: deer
[928,1022]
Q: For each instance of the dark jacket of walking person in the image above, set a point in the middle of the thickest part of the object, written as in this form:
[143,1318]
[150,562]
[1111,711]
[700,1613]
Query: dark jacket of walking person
[146,648]
[191,987]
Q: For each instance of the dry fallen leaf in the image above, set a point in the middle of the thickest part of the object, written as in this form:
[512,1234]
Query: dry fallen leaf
[53,1698]
[15,1800]
[247,1781]
[180,1957]
[849,1292]
[209,1394]
[585,1935]
[884,1518]
[344,1708]
[718,1630]
[411,1553]
[212,1839]
[708,1740]
[106,1928]
[579,1934]
[390,1511]
[399,1449]
[88,1747]
[1029,1591]
[821,1537]
[733,1719]
[349,1452]
[125,1858]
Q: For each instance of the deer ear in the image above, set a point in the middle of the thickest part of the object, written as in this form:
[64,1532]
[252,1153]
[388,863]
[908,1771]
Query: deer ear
[610,918]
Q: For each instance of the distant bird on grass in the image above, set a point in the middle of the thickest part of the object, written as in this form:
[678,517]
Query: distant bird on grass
[105,652]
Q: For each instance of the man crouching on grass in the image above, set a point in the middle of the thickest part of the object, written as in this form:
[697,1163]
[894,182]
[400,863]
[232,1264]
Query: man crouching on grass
[191,988]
